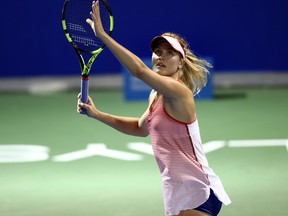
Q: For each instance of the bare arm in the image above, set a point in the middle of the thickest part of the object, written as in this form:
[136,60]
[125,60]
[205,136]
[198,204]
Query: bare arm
[127,125]
[164,85]
[179,100]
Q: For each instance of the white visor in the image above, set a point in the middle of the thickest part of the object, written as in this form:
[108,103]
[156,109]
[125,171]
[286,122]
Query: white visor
[171,40]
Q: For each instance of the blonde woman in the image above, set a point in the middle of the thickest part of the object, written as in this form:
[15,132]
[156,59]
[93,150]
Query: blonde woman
[190,187]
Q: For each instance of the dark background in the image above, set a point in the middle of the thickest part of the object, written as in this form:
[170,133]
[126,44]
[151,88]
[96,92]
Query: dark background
[246,35]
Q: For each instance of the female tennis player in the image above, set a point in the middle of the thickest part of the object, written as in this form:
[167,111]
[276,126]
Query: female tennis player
[190,187]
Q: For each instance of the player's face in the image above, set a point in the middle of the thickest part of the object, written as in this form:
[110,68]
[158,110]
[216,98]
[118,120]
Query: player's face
[165,60]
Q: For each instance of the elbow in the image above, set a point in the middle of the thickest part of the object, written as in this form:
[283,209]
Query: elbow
[140,133]
[143,134]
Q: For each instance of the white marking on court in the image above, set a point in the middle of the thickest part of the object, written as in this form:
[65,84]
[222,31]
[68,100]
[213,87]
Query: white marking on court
[141,147]
[20,153]
[103,151]
[258,143]
[98,149]
[213,145]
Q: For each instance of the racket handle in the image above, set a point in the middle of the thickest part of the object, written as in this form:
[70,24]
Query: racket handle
[84,92]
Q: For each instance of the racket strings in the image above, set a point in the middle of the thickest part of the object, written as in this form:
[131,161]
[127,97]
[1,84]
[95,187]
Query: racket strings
[80,32]
[85,40]
[76,27]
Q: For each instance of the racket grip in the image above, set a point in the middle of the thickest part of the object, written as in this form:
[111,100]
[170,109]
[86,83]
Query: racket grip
[84,92]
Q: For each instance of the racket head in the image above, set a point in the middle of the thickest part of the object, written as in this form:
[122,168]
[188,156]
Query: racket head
[78,32]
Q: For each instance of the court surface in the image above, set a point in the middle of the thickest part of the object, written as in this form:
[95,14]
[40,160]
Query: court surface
[55,162]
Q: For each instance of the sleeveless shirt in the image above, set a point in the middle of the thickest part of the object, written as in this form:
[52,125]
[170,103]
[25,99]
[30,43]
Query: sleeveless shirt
[186,175]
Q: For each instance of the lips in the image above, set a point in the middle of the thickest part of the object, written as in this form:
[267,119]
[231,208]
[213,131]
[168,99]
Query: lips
[160,65]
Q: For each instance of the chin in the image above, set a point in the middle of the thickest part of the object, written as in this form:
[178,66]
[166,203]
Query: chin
[159,71]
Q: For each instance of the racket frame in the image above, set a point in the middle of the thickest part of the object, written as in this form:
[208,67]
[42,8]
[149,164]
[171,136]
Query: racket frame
[85,67]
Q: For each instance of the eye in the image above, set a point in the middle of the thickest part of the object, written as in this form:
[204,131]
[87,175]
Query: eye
[171,52]
[157,51]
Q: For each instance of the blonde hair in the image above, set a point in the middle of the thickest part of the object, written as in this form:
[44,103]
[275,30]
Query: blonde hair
[194,70]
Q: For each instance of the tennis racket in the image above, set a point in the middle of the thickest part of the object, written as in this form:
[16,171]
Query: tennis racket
[82,38]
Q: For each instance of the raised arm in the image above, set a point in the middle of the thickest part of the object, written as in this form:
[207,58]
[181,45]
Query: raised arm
[163,84]
[178,99]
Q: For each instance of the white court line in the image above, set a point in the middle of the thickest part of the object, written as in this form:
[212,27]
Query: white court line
[98,149]
[213,145]
[20,153]
[258,143]
[141,147]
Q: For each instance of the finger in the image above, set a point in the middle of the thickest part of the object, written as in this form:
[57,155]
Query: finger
[90,101]
[97,8]
[83,105]
[89,21]
[93,6]
[79,110]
